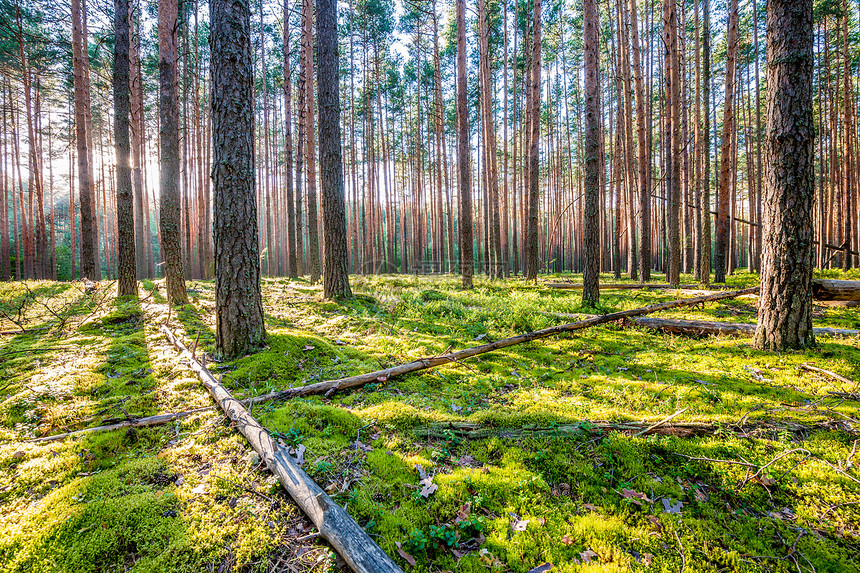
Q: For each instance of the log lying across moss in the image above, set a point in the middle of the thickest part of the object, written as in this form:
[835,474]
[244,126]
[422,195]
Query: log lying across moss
[473,431]
[619,286]
[829,289]
[335,525]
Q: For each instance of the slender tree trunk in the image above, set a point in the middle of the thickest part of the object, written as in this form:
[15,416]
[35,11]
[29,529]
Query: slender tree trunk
[288,149]
[467,257]
[310,146]
[5,247]
[785,301]
[238,301]
[534,148]
[722,246]
[847,145]
[705,259]
[89,231]
[672,77]
[136,159]
[594,186]
[169,220]
[127,273]
[336,262]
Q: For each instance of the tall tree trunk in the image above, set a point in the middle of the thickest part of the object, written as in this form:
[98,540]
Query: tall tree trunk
[336,261]
[127,272]
[292,269]
[534,148]
[171,248]
[642,150]
[89,231]
[310,147]
[705,259]
[5,247]
[848,139]
[467,256]
[722,245]
[135,87]
[672,75]
[594,186]
[238,301]
[785,301]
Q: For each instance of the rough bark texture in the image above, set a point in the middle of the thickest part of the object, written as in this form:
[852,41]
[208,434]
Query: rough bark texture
[672,75]
[467,253]
[89,240]
[310,146]
[135,89]
[336,259]
[238,301]
[349,539]
[721,246]
[292,269]
[785,304]
[829,289]
[705,259]
[127,274]
[642,151]
[534,149]
[171,248]
[593,154]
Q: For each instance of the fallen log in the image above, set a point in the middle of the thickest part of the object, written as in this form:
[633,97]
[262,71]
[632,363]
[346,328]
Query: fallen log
[149,421]
[133,423]
[331,386]
[831,289]
[348,538]
[474,431]
[619,286]
[704,327]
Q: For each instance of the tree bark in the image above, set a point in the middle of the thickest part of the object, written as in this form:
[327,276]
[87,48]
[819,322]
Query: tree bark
[594,185]
[238,301]
[127,271]
[672,75]
[705,258]
[89,233]
[171,248]
[336,261]
[534,148]
[310,145]
[467,256]
[292,269]
[722,246]
[785,303]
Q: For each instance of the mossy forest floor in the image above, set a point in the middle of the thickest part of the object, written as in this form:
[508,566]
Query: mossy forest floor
[192,495]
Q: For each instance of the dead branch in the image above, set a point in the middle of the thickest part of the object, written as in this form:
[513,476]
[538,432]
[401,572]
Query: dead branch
[432,362]
[347,537]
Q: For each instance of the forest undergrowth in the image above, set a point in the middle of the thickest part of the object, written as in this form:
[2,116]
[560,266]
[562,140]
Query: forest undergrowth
[492,464]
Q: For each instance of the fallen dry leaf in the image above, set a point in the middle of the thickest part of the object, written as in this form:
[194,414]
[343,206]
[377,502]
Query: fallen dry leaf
[409,559]
[541,568]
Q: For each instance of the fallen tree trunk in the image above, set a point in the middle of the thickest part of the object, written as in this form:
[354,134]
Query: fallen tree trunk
[619,286]
[149,421]
[473,431]
[830,289]
[704,327]
[331,386]
[360,552]
[132,423]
